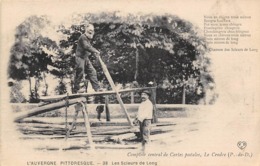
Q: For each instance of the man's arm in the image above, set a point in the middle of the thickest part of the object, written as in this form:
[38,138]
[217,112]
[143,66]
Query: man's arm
[86,45]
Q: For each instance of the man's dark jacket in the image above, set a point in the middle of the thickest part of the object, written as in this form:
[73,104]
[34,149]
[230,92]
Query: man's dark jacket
[84,48]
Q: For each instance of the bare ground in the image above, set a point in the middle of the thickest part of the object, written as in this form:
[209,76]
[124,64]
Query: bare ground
[204,130]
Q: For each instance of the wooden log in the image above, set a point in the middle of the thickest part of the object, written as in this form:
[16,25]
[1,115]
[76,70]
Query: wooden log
[117,146]
[60,97]
[112,131]
[47,108]
[97,131]
[59,137]
[100,125]
[95,127]
[112,146]
[154,129]
[120,138]
[93,124]
[78,130]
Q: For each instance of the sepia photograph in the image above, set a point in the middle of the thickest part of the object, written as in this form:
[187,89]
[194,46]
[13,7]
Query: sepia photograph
[153,83]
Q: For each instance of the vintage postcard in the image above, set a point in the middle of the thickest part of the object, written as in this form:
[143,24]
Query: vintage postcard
[130,83]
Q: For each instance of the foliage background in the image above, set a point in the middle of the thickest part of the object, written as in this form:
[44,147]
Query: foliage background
[164,49]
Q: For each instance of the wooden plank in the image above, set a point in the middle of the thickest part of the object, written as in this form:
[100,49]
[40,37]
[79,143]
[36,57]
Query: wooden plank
[112,84]
[47,108]
[60,97]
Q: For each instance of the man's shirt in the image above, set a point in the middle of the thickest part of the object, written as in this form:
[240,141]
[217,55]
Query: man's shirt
[145,110]
[84,48]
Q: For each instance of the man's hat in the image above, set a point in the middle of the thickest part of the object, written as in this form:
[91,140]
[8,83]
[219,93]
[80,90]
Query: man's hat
[147,92]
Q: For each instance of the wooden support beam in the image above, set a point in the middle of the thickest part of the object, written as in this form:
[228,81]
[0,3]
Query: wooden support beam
[111,82]
[155,110]
[132,98]
[60,97]
[87,125]
[73,125]
[107,109]
[47,108]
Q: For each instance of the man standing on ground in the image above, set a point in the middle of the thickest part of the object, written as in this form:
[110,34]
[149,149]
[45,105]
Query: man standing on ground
[83,64]
[145,116]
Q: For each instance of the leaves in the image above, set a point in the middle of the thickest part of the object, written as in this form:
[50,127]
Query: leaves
[169,48]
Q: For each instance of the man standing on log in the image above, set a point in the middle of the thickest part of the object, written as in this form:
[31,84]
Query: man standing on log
[83,64]
[145,116]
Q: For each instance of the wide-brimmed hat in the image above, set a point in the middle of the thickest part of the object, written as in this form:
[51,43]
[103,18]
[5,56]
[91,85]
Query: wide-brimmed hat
[146,92]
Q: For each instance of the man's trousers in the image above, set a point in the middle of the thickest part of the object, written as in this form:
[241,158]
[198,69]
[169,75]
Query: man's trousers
[91,74]
[145,129]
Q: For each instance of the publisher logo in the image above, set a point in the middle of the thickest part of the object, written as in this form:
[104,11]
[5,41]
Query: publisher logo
[241,145]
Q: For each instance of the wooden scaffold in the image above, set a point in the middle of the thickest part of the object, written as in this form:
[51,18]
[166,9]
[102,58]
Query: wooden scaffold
[51,103]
